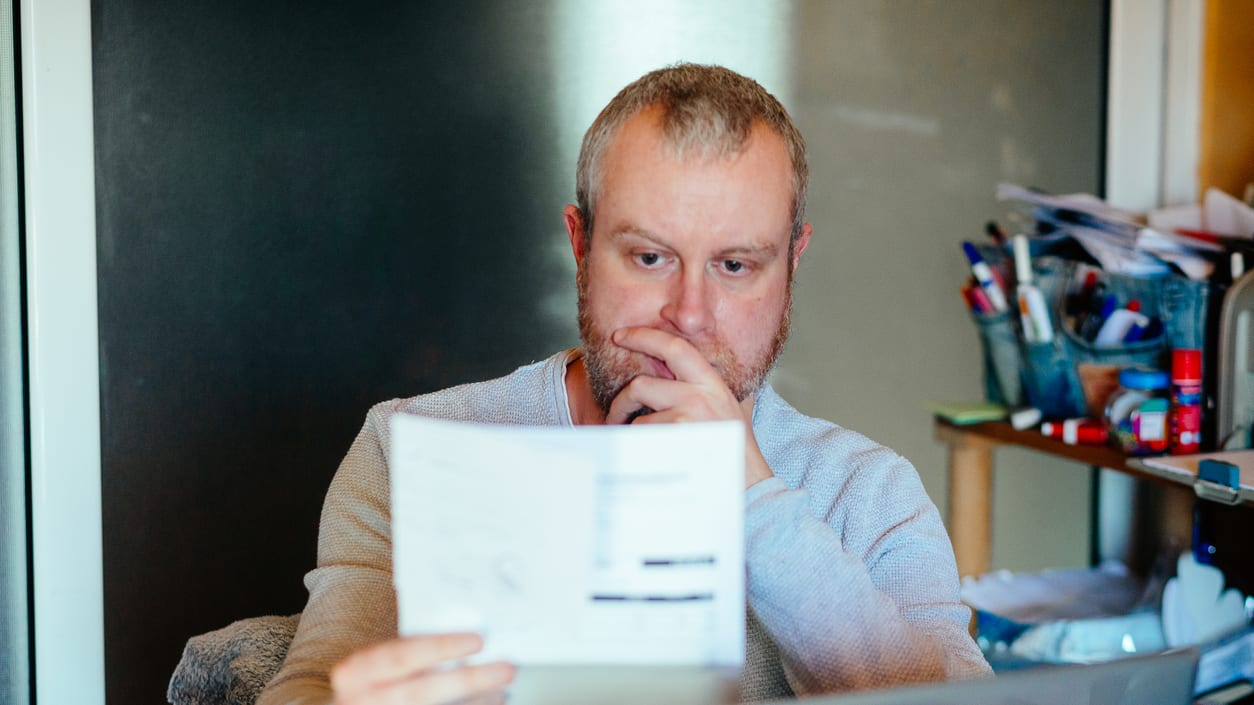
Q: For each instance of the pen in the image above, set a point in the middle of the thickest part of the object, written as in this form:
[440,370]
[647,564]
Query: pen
[994,231]
[1077,302]
[984,276]
[1089,307]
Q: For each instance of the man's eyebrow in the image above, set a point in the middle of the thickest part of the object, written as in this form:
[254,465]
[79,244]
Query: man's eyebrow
[633,231]
[767,250]
[759,251]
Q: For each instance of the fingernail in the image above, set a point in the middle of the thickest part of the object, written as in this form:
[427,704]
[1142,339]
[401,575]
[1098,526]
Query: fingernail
[506,671]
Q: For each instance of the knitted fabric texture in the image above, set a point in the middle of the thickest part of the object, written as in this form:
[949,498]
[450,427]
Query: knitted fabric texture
[851,582]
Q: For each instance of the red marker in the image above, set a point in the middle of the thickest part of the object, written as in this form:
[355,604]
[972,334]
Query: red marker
[978,300]
[1076,431]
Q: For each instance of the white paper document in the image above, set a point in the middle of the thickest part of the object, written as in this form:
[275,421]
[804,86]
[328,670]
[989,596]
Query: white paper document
[572,546]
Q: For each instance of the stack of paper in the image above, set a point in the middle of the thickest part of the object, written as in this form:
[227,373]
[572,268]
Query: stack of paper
[1185,237]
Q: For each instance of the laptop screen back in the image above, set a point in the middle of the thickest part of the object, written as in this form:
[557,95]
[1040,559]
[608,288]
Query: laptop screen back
[1156,679]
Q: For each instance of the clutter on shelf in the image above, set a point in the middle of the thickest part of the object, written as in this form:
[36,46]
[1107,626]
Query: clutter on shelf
[1099,317]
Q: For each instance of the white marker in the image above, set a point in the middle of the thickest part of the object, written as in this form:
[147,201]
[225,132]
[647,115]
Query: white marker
[1032,309]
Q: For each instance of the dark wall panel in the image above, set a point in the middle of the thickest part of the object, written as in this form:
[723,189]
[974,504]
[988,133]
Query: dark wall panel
[303,208]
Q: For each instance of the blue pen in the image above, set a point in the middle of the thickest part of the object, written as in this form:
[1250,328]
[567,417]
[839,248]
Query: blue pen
[984,276]
[1094,321]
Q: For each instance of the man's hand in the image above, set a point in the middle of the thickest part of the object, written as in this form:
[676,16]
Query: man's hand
[697,392]
[416,671]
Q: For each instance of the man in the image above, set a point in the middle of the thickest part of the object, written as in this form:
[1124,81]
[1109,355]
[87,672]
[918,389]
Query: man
[691,190]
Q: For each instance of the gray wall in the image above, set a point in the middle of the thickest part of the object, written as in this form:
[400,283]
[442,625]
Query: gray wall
[304,208]
[914,112]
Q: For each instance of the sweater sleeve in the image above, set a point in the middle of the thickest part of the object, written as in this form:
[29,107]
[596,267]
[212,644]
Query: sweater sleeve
[352,603]
[862,592]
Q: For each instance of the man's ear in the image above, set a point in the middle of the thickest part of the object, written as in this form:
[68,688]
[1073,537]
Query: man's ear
[803,241]
[574,230]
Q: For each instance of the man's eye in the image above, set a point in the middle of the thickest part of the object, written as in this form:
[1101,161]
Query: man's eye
[734,266]
[649,259]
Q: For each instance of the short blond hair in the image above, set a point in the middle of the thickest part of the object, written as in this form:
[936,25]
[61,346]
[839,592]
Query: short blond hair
[709,109]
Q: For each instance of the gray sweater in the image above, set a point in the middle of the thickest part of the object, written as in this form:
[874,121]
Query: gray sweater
[851,576]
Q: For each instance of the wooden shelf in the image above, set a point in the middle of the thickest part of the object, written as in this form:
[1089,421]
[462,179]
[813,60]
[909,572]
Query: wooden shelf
[971,494]
[998,433]
[970,462]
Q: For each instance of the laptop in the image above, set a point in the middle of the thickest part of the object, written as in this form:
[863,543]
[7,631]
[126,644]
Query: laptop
[1164,678]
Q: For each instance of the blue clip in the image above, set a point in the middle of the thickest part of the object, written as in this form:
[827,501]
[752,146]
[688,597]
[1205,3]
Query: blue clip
[1218,481]
[1220,473]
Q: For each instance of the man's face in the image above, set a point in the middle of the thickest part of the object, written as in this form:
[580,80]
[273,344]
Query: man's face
[696,247]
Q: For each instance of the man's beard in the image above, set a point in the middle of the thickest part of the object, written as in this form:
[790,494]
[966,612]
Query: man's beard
[610,367]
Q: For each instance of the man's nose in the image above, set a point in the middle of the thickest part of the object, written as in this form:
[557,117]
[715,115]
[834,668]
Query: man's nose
[690,306]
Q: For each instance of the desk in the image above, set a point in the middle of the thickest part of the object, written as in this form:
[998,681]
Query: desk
[971,479]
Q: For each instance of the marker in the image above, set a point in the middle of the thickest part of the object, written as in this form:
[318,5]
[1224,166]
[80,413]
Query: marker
[1089,305]
[1032,308]
[1077,302]
[984,276]
[968,295]
[1076,431]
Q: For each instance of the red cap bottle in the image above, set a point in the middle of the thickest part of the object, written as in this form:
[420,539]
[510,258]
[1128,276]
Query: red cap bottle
[1186,401]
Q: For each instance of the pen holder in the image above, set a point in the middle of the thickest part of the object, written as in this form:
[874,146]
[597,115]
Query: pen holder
[1069,376]
[1051,382]
[1003,357]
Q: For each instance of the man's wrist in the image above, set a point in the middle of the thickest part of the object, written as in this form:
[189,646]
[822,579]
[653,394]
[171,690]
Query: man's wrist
[756,468]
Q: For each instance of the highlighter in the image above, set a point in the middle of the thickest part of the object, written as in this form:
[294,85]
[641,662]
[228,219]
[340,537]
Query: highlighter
[984,275]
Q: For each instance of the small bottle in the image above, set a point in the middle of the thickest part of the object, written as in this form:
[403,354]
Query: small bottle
[1186,401]
[1136,413]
